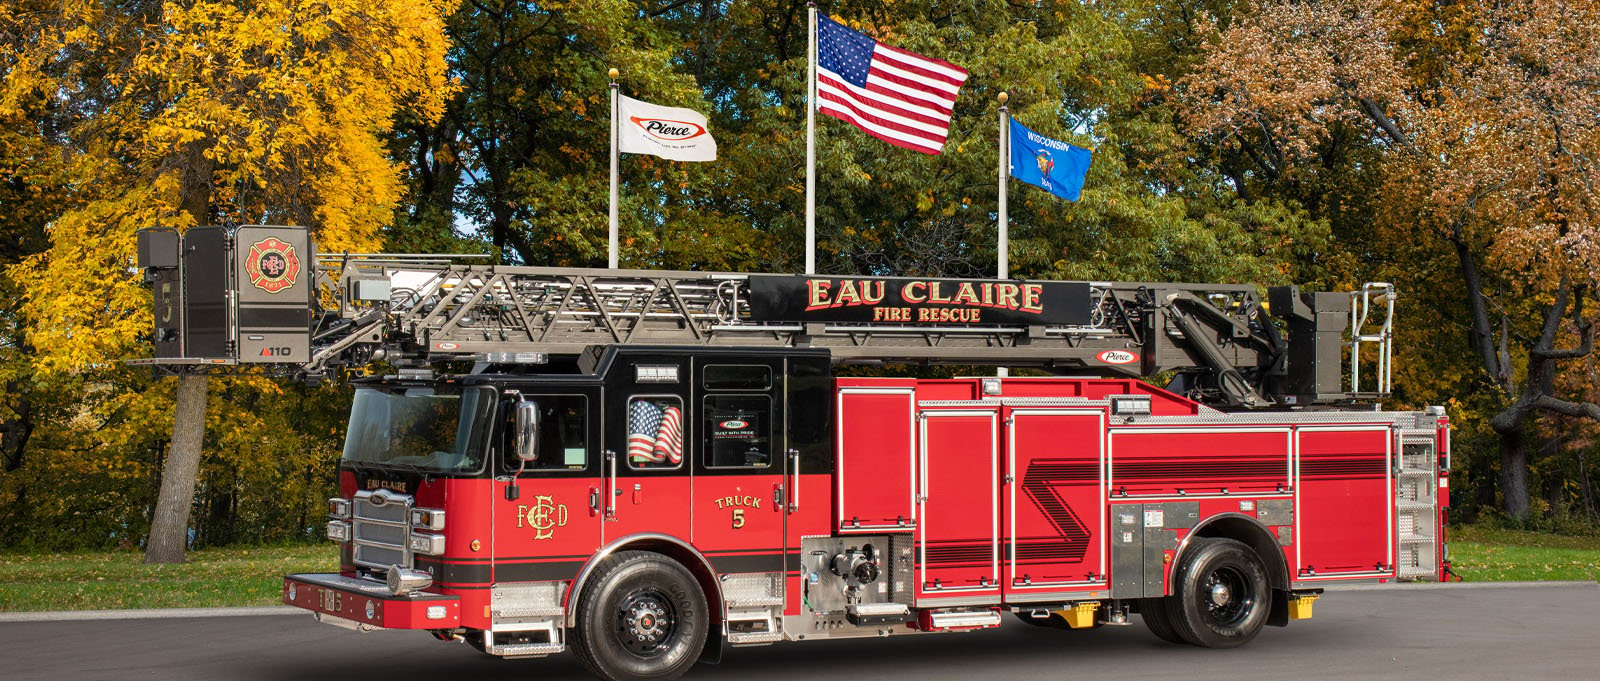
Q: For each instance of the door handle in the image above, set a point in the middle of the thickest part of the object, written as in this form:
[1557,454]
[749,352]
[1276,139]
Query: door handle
[594,501]
[794,484]
[777,497]
[611,499]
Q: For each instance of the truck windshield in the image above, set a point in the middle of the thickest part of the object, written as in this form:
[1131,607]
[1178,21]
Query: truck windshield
[432,431]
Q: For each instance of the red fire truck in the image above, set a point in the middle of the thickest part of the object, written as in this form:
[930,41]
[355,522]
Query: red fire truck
[648,467]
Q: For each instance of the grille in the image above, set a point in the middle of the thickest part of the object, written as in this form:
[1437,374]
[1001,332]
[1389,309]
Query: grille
[380,556]
[381,534]
[392,510]
[379,528]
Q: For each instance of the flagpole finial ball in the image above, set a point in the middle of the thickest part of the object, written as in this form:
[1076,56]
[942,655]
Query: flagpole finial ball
[1003,97]
[613,73]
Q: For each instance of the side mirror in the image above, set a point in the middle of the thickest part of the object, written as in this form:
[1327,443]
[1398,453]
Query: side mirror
[527,431]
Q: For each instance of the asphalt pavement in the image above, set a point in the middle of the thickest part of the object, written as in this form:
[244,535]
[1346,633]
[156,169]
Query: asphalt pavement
[1455,632]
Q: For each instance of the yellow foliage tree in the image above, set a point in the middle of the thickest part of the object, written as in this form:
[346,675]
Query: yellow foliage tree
[192,113]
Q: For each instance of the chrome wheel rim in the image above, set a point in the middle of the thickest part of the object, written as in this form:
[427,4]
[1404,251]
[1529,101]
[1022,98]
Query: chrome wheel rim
[1228,596]
[646,622]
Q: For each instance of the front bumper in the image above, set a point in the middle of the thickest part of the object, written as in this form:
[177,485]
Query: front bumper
[369,603]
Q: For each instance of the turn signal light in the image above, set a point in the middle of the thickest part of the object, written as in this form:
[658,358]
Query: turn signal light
[427,519]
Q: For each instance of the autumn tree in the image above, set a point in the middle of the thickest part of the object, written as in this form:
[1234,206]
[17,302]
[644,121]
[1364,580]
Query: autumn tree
[1475,126]
[194,113]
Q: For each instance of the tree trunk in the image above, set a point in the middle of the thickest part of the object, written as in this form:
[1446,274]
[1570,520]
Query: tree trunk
[1584,485]
[1514,472]
[169,528]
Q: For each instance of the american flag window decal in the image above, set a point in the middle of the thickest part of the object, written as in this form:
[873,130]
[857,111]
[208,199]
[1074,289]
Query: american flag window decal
[655,432]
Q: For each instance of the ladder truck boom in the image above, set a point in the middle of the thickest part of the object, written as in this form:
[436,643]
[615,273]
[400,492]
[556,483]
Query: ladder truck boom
[1220,341]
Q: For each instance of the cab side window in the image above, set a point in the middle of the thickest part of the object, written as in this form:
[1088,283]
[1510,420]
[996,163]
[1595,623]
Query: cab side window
[655,432]
[738,431]
[563,434]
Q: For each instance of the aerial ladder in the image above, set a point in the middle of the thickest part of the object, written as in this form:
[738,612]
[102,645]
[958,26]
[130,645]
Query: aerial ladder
[262,298]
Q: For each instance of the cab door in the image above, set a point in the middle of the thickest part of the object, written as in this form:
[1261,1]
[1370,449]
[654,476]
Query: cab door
[741,456]
[646,459]
[546,519]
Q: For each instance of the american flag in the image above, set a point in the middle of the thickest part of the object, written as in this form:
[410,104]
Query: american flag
[644,422]
[655,435]
[900,97]
[669,441]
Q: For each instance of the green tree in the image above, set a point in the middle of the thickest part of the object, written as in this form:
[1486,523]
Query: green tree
[191,113]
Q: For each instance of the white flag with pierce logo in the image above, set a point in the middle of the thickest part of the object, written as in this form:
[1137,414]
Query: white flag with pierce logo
[669,132]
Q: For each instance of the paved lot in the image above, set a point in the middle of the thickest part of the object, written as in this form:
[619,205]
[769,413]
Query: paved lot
[1449,632]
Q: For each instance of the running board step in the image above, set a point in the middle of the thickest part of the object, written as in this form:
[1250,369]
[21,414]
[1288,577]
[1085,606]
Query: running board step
[941,620]
[525,649]
[753,627]
[877,613]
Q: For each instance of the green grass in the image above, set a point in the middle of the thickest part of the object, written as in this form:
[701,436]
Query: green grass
[1481,554]
[119,579]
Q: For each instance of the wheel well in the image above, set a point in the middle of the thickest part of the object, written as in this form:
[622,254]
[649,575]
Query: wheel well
[684,555]
[1251,533]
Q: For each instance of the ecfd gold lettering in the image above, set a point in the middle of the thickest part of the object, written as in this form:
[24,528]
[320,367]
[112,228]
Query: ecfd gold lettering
[935,295]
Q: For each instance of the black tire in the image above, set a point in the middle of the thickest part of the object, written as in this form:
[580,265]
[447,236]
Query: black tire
[1154,613]
[1222,595]
[642,616]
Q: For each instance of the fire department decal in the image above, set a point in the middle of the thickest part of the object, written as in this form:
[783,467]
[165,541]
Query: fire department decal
[544,516]
[272,265]
[736,505]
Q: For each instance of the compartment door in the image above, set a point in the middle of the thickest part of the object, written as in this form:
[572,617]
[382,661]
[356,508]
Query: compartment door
[877,459]
[1055,501]
[959,536]
[1344,492]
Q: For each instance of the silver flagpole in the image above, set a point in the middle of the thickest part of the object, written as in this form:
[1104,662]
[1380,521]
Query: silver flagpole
[1004,247]
[1005,173]
[811,140]
[611,250]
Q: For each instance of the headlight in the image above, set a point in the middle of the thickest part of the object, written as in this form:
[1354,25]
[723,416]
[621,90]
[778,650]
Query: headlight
[427,544]
[338,530]
[338,508]
[427,519]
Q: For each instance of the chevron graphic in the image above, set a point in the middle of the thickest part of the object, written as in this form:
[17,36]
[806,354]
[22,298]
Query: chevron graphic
[1039,484]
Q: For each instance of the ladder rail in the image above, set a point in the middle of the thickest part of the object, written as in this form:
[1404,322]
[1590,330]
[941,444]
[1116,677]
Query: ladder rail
[1220,340]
